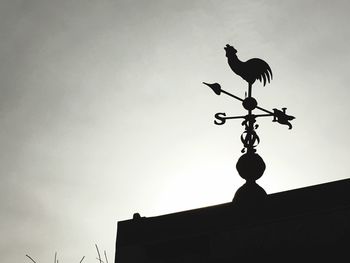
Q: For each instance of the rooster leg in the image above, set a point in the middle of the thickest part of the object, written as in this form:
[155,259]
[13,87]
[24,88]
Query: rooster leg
[249,90]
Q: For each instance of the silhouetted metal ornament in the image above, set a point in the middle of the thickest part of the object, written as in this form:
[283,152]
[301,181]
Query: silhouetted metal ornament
[215,87]
[250,103]
[250,194]
[282,118]
[250,165]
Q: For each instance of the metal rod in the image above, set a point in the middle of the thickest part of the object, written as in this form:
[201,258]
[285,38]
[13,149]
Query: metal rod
[263,115]
[238,98]
[245,117]
[262,109]
[231,95]
[249,90]
[235,117]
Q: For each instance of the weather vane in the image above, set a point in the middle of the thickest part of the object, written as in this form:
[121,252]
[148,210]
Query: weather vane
[250,165]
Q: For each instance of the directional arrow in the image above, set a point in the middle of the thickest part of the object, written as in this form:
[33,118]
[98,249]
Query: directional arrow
[218,90]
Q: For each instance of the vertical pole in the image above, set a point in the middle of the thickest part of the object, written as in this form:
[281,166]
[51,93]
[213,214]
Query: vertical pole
[250,123]
[250,134]
[249,90]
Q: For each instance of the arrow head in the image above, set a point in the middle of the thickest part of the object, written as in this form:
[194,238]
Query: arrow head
[215,87]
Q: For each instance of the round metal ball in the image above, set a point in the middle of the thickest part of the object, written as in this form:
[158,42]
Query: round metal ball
[250,103]
[250,194]
[250,166]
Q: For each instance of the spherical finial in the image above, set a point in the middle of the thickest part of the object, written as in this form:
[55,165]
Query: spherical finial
[136,216]
[250,166]
[249,103]
[250,194]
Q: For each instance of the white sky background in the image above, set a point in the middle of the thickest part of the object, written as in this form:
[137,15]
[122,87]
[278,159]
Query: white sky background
[103,114]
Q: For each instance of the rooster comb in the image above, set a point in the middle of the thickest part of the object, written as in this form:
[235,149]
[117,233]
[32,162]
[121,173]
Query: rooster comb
[230,48]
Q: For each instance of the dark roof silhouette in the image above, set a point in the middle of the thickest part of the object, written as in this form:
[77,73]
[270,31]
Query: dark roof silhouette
[311,222]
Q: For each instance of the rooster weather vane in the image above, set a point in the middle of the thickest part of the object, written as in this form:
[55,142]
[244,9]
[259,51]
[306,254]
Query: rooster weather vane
[250,165]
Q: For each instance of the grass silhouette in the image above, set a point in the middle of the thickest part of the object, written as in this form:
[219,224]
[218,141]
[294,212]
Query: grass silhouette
[81,260]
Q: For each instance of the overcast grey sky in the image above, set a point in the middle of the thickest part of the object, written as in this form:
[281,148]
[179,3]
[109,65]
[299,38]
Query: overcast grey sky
[103,114]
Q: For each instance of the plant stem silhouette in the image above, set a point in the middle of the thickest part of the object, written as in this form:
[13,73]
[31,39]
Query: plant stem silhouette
[30,258]
[105,256]
[98,253]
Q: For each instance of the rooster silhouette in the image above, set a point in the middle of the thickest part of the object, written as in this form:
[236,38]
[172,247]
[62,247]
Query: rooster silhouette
[251,70]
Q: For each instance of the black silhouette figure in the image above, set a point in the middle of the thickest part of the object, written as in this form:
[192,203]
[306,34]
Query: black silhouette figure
[215,87]
[282,118]
[250,165]
[251,70]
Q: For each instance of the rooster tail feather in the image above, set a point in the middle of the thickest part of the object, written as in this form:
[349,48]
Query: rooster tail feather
[264,78]
[269,70]
[268,76]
